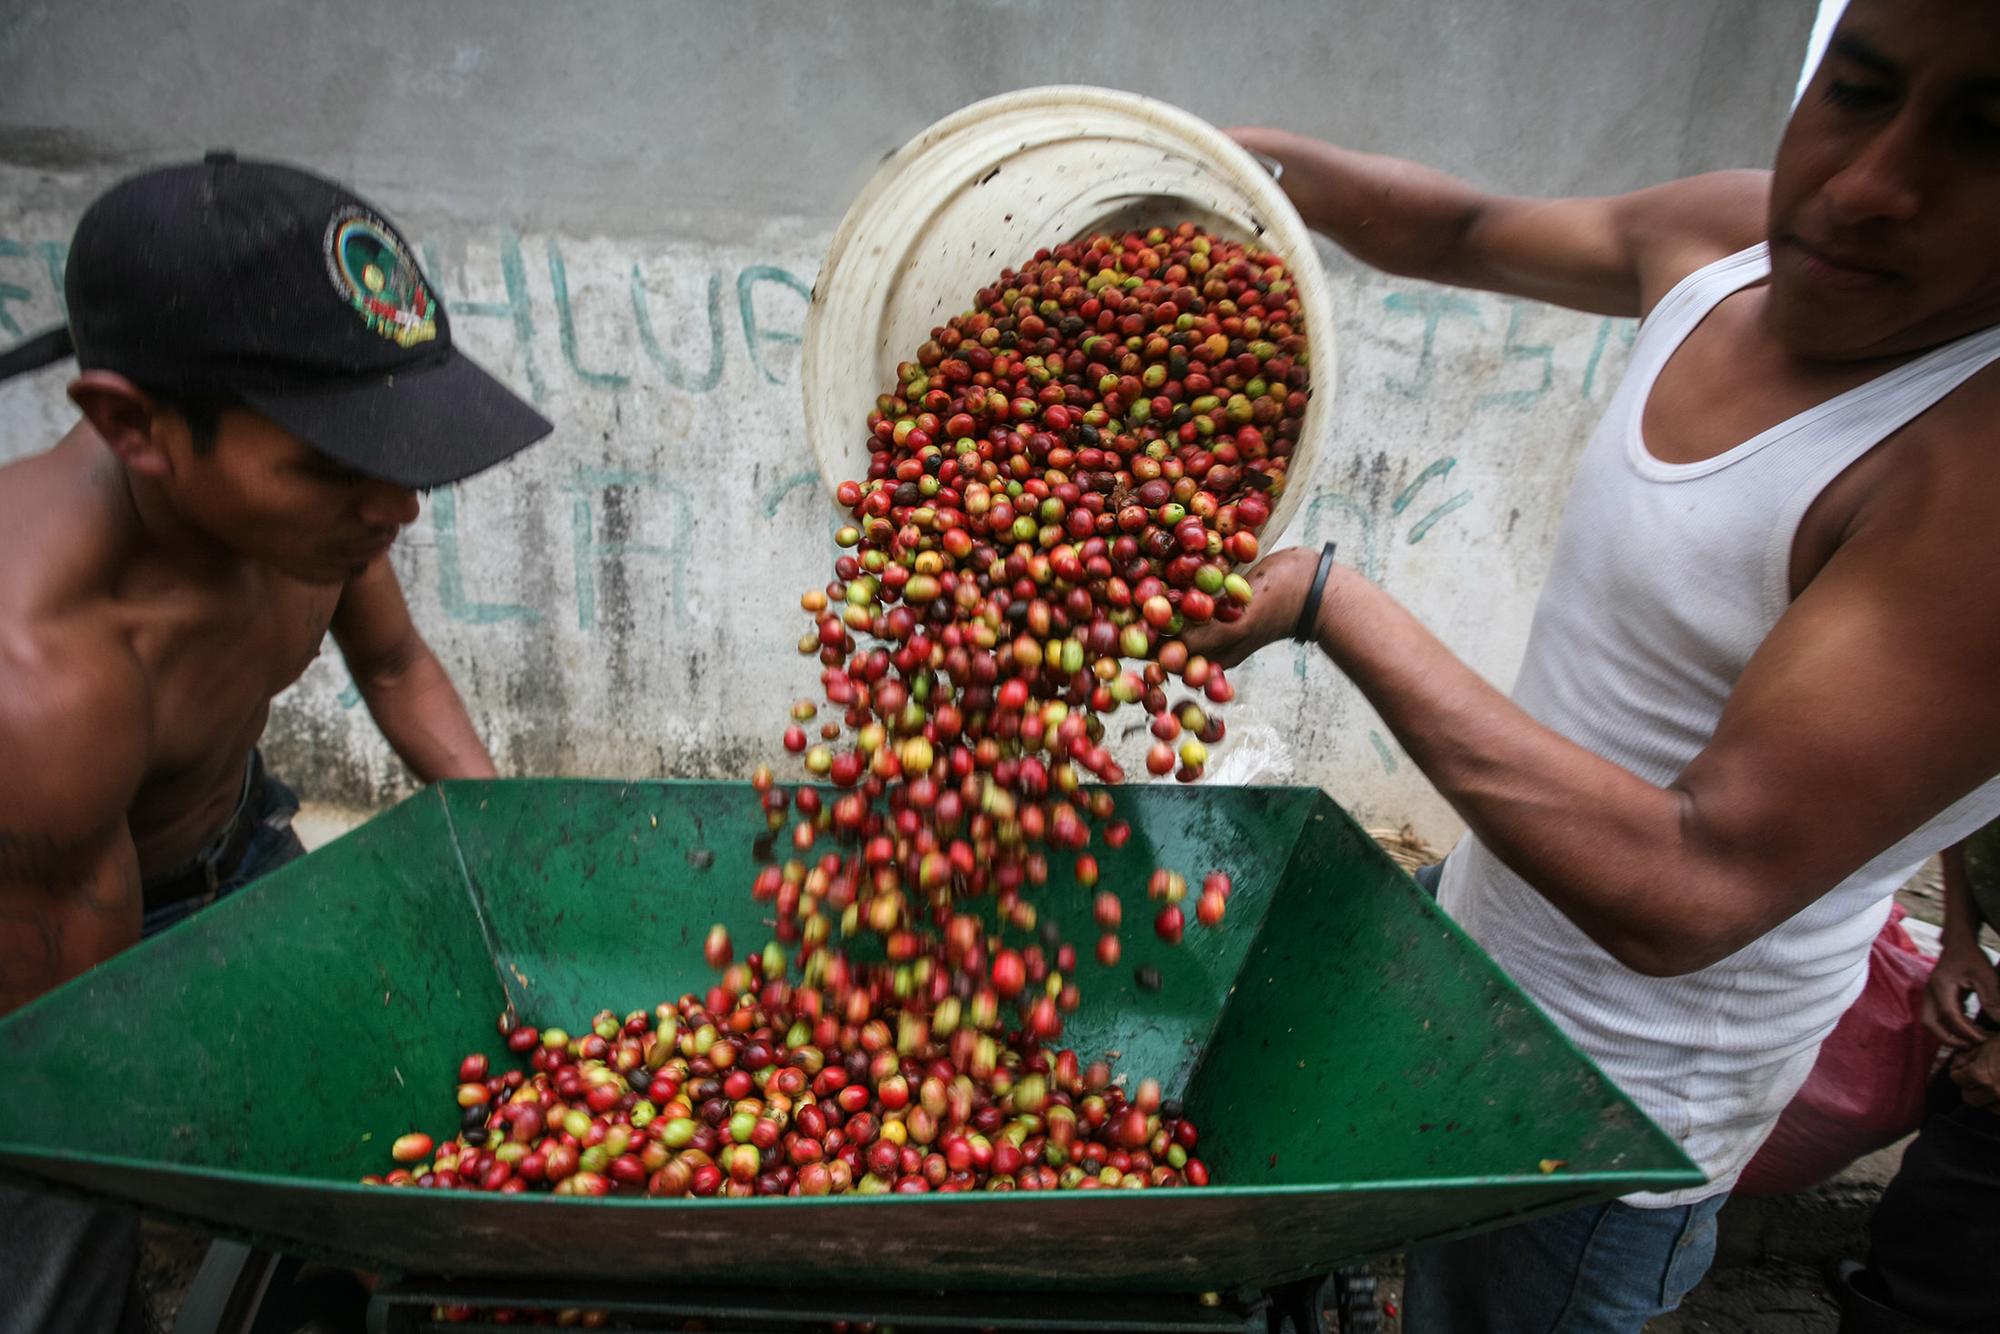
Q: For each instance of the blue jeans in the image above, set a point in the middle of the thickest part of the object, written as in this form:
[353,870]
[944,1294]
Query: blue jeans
[271,804]
[1601,1269]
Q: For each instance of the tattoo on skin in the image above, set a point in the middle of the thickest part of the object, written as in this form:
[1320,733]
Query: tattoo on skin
[53,889]
[58,870]
[26,856]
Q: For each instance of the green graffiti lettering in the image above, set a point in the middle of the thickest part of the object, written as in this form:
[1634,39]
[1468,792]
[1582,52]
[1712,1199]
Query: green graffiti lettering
[12,292]
[517,308]
[676,374]
[585,487]
[451,571]
[566,326]
[1627,331]
[755,336]
[1515,350]
[1435,308]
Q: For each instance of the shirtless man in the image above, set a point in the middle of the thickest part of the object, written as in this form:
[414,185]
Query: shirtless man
[1759,689]
[265,383]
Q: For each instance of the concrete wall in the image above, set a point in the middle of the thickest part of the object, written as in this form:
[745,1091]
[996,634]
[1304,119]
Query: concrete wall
[624,205]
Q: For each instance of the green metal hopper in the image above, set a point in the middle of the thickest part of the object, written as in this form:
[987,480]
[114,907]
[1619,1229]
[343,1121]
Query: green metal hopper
[1362,1075]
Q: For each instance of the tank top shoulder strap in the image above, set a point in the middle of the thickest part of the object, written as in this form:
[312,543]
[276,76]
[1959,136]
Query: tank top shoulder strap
[1688,302]
[1892,399]
[1828,438]
[1845,427]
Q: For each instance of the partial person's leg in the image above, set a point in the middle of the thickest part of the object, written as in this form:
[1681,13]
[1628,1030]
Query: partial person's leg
[1603,1269]
[66,1267]
[1934,1240]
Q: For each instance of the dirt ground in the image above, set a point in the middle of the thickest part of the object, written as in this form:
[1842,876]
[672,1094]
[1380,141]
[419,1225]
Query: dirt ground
[168,1260]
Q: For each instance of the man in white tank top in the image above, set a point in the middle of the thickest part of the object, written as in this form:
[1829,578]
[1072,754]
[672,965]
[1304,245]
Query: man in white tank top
[1759,688]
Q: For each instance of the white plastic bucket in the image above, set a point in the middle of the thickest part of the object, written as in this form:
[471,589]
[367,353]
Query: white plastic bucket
[982,190]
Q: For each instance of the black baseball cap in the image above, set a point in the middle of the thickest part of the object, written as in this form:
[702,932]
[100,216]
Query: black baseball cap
[270,286]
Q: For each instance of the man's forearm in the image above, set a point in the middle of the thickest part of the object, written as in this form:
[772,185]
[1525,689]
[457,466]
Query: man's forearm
[1961,913]
[1392,214]
[423,718]
[1606,847]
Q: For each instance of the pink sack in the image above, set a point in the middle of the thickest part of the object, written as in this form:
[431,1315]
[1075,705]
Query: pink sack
[1866,1091]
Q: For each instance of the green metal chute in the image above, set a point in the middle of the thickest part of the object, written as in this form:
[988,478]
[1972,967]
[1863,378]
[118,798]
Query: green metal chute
[1363,1076]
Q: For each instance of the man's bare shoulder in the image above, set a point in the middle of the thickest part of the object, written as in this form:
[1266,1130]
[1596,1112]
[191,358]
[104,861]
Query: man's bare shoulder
[75,707]
[1944,467]
[60,538]
[1909,528]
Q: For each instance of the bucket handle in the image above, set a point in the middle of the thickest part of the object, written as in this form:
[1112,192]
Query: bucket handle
[1268,163]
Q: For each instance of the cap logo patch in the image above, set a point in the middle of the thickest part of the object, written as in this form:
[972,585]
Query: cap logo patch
[372,271]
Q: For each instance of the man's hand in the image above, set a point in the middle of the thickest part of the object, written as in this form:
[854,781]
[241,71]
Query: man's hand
[1962,970]
[1279,584]
[1977,1073]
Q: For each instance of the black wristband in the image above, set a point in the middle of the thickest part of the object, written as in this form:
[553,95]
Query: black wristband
[1309,613]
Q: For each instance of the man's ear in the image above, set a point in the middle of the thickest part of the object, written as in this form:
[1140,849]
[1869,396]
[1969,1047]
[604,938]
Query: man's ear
[126,418]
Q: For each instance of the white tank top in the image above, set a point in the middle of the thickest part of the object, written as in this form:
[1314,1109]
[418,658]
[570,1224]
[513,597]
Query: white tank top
[1665,580]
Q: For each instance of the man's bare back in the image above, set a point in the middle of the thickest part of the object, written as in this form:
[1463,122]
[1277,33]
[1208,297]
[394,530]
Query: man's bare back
[194,667]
